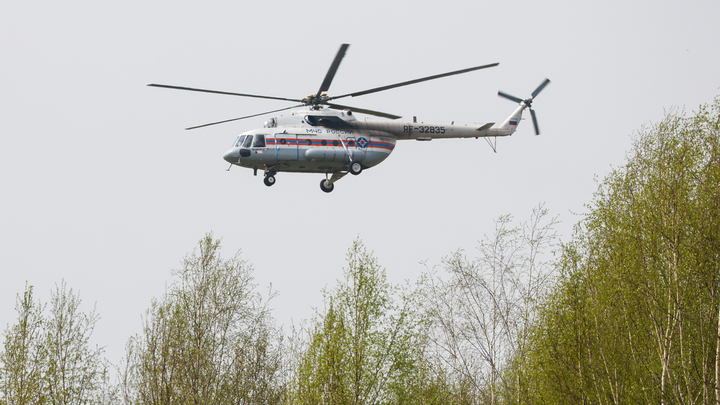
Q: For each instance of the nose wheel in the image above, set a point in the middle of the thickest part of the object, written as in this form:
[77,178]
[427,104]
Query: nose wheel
[269,180]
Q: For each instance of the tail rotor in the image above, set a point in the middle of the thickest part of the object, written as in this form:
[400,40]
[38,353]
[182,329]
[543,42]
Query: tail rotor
[528,102]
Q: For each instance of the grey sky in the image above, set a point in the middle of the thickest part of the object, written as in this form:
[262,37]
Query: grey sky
[100,185]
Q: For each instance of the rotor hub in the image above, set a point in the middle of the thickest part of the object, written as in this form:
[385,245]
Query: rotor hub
[315,102]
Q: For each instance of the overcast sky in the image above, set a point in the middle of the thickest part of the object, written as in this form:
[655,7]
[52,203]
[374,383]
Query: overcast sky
[101,186]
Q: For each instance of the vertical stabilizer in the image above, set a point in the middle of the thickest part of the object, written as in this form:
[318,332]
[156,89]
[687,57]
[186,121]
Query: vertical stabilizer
[514,119]
[510,124]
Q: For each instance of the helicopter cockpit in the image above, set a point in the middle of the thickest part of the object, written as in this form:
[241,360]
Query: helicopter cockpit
[243,145]
[246,141]
[240,141]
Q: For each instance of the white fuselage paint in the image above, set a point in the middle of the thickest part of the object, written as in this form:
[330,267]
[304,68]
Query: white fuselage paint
[292,144]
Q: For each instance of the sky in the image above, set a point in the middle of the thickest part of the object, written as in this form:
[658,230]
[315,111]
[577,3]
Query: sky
[101,186]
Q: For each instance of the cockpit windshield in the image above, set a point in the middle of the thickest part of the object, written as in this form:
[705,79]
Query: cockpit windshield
[239,141]
[248,141]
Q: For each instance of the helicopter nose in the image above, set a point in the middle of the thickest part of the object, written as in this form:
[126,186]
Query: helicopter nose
[232,156]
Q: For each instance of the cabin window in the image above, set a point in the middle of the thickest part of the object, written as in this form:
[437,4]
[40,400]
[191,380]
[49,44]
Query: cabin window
[351,142]
[259,141]
[323,142]
[248,141]
[309,141]
[239,141]
[283,141]
[335,143]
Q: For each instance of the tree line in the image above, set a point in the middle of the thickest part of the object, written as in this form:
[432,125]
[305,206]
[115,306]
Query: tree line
[627,311]
[634,315]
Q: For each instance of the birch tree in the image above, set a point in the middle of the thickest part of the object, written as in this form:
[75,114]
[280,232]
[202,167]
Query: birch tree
[23,357]
[367,346]
[48,358]
[482,310]
[645,260]
[75,372]
[209,339]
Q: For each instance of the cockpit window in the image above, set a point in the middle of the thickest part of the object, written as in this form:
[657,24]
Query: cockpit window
[259,141]
[239,141]
[248,141]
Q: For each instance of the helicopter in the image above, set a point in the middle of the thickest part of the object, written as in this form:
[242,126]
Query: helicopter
[320,136]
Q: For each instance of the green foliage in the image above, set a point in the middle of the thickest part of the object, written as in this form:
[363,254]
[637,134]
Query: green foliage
[48,359]
[75,372]
[22,358]
[210,339]
[367,347]
[635,314]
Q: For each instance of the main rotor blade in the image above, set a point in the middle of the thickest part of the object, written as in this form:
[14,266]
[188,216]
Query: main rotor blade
[540,87]
[509,97]
[224,92]
[325,86]
[409,82]
[242,118]
[534,118]
[363,111]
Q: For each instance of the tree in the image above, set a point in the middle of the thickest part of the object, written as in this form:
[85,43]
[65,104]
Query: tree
[481,317]
[48,359]
[366,348]
[21,375]
[75,373]
[635,316]
[209,339]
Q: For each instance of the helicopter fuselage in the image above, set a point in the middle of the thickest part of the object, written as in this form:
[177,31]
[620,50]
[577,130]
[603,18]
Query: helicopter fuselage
[328,141]
[309,150]
[321,136]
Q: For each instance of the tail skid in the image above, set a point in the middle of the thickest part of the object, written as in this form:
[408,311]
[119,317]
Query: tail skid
[507,128]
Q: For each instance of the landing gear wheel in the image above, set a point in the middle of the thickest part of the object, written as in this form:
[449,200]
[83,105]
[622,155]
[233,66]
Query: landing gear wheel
[356,168]
[326,187]
[269,180]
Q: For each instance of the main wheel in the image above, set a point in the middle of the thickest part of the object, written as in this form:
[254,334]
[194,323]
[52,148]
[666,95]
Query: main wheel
[269,180]
[326,187]
[356,168]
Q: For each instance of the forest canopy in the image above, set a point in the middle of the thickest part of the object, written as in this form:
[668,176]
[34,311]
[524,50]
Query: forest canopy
[626,311]
[634,315]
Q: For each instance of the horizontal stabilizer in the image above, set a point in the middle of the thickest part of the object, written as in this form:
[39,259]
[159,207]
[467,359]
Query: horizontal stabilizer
[486,126]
